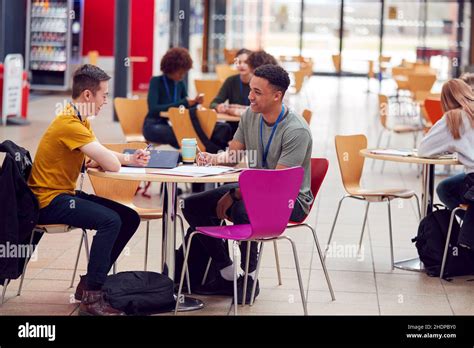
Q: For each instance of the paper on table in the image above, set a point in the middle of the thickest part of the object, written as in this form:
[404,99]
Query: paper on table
[394,152]
[196,171]
[131,170]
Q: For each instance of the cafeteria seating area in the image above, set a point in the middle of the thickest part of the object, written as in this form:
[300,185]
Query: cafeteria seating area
[391,96]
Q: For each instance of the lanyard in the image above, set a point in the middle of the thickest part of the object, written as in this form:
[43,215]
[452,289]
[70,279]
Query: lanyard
[245,99]
[175,99]
[266,148]
[83,166]
[78,113]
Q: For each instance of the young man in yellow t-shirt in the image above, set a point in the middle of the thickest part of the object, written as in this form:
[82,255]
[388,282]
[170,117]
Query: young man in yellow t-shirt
[56,168]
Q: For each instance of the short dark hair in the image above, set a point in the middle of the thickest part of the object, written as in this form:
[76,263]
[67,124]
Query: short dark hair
[243,51]
[176,58]
[275,75]
[260,58]
[89,77]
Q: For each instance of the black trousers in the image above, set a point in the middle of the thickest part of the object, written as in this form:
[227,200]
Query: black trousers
[200,210]
[115,225]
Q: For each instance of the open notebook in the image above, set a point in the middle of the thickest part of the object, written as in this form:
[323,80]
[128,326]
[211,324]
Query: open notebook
[196,171]
[410,153]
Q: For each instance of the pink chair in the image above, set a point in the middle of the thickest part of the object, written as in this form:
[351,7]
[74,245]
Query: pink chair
[268,196]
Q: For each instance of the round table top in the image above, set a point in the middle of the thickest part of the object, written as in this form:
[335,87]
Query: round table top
[232,177]
[407,159]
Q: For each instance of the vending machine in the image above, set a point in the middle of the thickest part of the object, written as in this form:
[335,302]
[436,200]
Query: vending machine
[53,42]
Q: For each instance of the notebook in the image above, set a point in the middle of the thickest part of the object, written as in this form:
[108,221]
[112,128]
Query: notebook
[198,171]
[160,158]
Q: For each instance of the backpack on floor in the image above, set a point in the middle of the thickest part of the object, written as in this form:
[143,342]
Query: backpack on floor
[139,292]
[430,243]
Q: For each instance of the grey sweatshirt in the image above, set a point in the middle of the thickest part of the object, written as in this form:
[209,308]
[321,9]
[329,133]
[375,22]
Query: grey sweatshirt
[439,140]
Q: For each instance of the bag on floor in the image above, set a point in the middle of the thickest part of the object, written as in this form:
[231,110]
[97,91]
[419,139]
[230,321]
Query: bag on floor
[430,243]
[139,292]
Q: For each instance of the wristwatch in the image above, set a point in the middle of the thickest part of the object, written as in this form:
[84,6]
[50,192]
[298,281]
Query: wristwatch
[232,194]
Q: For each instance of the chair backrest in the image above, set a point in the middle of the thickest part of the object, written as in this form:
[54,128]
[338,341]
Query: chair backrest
[383,109]
[434,111]
[269,197]
[131,114]
[183,127]
[210,88]
[229,55]
[307,114]
[319,169]
[421,82]
[122,191]
[224,71]
[337,61]
[299,79]
[351,163]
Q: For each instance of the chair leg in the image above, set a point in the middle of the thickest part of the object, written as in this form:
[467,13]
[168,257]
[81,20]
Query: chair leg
[188,280]
[246,274]
[298,272]
[207,270]
[4,290]
[448,239]
[147,236]
[363,226]
[183,271]
[333,226]
[26,263]
[257,271]
[418,206]
[323,264]
[234,252]
[77,260]
[390,233]
[277,261]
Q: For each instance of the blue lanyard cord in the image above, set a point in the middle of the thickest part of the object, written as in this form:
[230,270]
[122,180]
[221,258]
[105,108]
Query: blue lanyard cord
[245,99]
[266,148]
[78,113]
[175,96]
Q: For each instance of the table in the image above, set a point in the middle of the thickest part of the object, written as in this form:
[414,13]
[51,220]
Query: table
[427,190]
[220,117]
[169,214]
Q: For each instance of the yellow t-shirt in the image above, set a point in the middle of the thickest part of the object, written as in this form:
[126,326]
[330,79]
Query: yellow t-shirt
[58,161]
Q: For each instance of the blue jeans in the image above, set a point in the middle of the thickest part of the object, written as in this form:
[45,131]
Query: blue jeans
[115,225]
[450,191]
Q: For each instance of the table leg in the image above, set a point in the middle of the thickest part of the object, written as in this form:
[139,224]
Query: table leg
[169,245]
[427,198]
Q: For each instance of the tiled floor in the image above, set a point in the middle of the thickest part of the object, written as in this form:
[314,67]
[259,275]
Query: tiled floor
[364,284]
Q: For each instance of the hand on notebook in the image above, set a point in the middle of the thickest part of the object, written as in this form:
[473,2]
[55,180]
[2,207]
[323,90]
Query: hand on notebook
[205,159]
[140,158]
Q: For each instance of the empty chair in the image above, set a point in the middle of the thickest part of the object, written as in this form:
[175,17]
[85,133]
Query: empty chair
[131,114]
[229,55]
[267,221]
[224,71]
[183,127]
[307,114]
[351,165]
[299,80]
[337,62]
[210,88]
[420,82]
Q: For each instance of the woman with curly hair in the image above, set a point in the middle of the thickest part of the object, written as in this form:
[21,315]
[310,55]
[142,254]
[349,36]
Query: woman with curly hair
[167,91]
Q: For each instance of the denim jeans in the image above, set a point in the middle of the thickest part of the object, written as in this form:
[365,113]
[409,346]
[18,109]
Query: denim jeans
[450,191]
[115,225]
[200,210]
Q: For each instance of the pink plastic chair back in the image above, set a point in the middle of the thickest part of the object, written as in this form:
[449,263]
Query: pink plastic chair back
[269,197]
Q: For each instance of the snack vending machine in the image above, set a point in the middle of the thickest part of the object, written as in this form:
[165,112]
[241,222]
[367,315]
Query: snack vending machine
[53,42]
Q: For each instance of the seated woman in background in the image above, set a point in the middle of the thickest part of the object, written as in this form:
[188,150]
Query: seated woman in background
[455,133]
[448,189]
[167,91]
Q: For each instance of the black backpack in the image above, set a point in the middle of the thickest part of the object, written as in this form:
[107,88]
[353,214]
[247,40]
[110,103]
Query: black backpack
[430,243]
[140,293]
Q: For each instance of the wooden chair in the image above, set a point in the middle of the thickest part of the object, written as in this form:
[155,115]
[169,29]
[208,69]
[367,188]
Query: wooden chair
[131,114]
[224,71]
[210,88]
[299,80]
[183,127]
[351,165]
[229,55]
[123,192]
[337,61]
[420,82]
[307,114]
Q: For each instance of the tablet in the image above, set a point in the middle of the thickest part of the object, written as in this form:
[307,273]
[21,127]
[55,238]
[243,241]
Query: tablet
[159,158]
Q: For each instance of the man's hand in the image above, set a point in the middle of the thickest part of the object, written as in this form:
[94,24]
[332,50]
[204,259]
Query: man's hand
[206,158]
[221,108]
[140,158]
[92,164]
[223,205]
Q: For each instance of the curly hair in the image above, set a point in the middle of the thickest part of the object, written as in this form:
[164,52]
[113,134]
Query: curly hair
[259,58]
[176,58]
[275,75]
